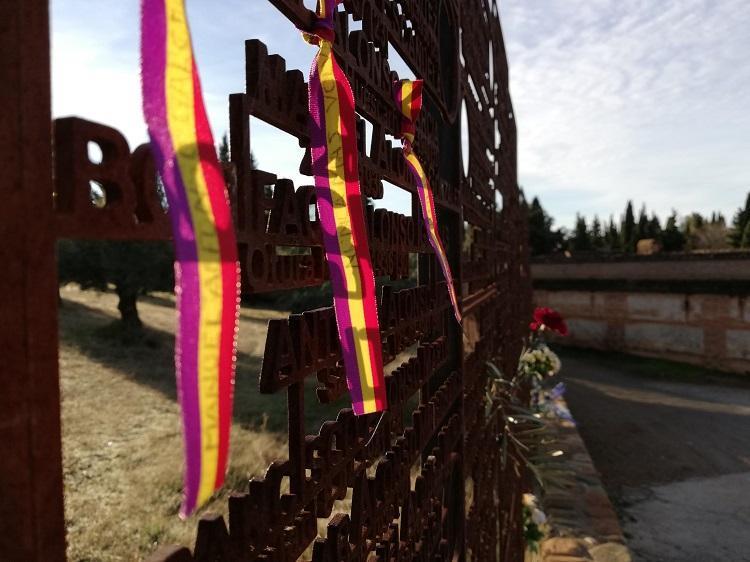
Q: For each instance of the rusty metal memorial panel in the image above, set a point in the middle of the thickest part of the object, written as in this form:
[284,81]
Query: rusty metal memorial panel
[423,481]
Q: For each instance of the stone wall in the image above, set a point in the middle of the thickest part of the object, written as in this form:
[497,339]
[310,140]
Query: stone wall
[693,308]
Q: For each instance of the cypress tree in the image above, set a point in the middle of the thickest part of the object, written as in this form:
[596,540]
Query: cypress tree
[580,241]
[642,228]
[542,239]
[654,228]
[745,241]
[673,240]
[597,237]
[612,236]
[224,149]
[739,225]
[628,229]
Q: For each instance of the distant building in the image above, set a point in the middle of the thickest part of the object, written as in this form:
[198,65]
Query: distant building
[647,247]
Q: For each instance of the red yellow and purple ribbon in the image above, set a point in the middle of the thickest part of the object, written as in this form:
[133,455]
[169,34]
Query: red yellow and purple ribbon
[206,266]
[333,142]
[409,99]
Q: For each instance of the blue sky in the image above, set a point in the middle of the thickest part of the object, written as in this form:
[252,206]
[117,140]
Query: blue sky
[614,99]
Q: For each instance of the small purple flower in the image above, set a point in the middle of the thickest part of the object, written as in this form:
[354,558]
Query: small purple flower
[558,391]
[561,412]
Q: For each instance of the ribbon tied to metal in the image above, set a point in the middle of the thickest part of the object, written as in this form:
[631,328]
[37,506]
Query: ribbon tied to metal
[408,96]
[333,147]
[206,266]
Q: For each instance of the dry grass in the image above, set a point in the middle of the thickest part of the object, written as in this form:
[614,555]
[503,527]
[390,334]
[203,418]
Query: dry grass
[121,432]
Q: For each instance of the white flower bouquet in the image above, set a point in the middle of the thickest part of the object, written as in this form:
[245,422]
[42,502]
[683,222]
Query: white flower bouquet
[538,363]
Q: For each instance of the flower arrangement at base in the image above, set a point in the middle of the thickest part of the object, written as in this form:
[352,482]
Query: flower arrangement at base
[551,404]
[538,363]
[534,522]
[548,319]
[524,409]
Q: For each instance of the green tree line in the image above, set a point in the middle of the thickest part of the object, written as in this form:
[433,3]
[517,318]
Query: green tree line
[675,234]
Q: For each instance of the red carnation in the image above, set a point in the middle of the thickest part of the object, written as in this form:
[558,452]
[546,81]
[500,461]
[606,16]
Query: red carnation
[548,319]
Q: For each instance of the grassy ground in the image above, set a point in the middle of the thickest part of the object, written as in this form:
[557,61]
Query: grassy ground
[122,443]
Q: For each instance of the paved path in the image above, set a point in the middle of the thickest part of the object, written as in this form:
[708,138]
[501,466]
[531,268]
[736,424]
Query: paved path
[674,457]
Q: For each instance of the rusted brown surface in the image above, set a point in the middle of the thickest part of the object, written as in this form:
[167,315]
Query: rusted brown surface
[31,504]
[132,210]
[424,480]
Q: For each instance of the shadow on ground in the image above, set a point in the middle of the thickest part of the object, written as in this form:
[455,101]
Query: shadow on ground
[642,430]
[149,360]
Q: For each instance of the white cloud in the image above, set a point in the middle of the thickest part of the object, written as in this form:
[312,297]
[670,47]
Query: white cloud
[614,99]
[95,66]
[631,99]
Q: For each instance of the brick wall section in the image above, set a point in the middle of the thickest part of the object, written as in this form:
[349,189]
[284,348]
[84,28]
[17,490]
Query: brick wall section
[725,266]
[697,311]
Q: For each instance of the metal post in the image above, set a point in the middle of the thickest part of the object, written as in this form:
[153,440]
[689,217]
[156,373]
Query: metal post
[32,525]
